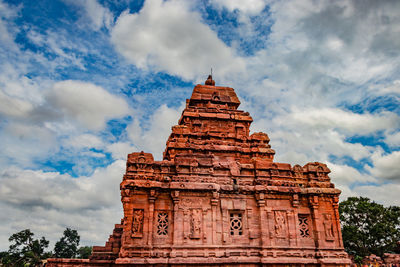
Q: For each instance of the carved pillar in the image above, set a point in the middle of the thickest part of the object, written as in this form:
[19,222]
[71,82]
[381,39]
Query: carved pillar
[127,215]
[292,227]
[214,204]
[271,224]
[296,227]
[204,225]
[295,204]
[152,199]
[337,220]
[186,224]
[317,221]
[175,199]
[263,219]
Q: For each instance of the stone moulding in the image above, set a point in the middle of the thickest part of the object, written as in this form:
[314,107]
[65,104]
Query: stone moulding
[218,198]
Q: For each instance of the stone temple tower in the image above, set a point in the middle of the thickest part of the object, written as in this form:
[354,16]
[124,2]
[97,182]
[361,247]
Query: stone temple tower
[218,198]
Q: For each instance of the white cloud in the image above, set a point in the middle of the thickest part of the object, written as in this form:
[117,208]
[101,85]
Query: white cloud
[23,143]
[319,53]
[393,139]
[85,141]
[89,104]
[153,137]
[98,15]
[387,194]
[121,150]
[167,36]
[344,175]
[345,121]
[386,166]
[393,88]
[11,106]
[7,33]
[47,202]
[302,135]
[251,7]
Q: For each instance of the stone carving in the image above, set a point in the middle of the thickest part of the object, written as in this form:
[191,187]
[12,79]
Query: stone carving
[162,223]
[280,223]
[304,226]
[137,223]
[195,223]
[236,223]
[298,171]
[217,197]
[328,227]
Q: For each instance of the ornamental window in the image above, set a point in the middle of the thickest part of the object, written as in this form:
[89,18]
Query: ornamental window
[162,223]
[236,224]
[304,226]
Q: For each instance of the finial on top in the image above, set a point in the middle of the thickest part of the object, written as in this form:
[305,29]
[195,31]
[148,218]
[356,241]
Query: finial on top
[209,80]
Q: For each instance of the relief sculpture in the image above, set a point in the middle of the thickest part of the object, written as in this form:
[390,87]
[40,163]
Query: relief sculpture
[195,224]
[280,223]
[137,223]
[328,227]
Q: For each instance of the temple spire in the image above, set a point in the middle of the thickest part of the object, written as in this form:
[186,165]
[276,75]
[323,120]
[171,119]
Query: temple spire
[209,80]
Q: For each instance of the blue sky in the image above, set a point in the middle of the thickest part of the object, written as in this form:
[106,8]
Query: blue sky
[84,83]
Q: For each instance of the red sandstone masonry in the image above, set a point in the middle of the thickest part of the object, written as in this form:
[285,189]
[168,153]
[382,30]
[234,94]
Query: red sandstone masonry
[218,198]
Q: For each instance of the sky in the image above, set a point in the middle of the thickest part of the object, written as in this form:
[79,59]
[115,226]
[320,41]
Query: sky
[85,82]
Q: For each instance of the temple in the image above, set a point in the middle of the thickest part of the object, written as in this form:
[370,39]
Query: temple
[218,198]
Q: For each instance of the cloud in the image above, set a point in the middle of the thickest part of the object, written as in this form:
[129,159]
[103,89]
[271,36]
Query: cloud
[393,88]
[11,106]
[311,134]
[167,36]
[88,104]
[387,194]
[386,166]
[345,175]
[319,54]
[7,33]
[98,15]
[393,139]
[47,202]
[85,141]
[251,7]
[120,150]
[22,144]
[344,121]
[153,137]
[33,129]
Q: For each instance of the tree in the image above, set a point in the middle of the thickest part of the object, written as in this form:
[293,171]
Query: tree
[67,246]
[369,228]
[84,252]
[25,250]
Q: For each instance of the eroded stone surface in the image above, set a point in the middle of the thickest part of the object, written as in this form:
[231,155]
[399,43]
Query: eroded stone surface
[218,197]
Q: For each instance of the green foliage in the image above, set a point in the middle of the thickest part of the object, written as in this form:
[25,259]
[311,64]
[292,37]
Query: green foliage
[67,246]
[25,250]
[84,252]
[369,228]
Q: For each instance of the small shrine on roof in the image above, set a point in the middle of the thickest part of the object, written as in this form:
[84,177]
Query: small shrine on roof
[218,198]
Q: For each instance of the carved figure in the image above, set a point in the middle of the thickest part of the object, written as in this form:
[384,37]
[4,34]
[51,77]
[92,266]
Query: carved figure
[328,227]
[137,223]
[280,223]
[195,223]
